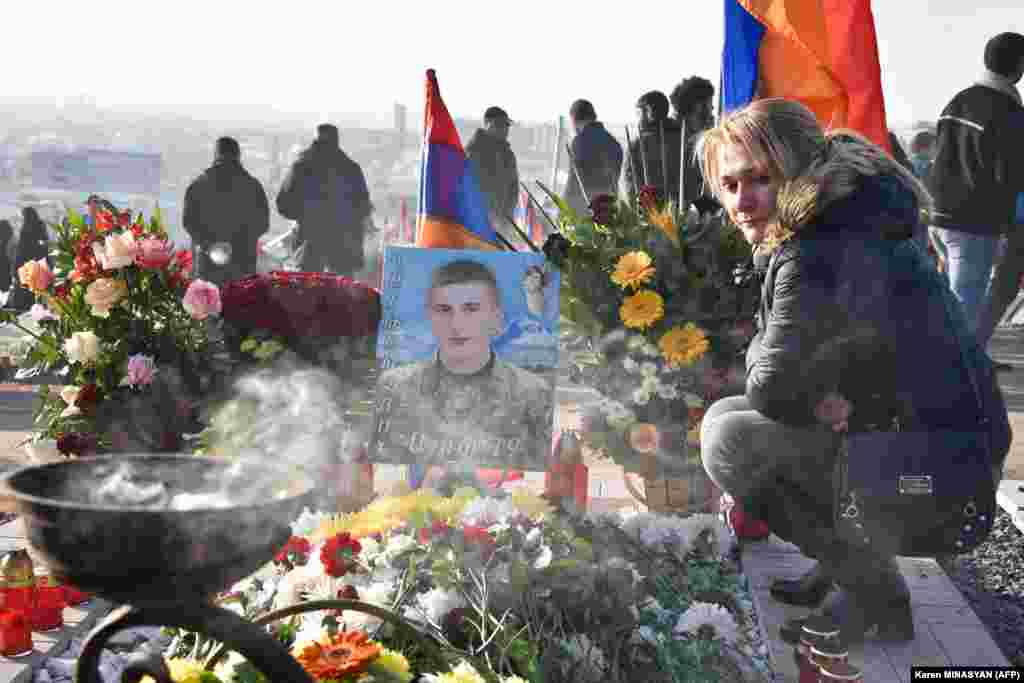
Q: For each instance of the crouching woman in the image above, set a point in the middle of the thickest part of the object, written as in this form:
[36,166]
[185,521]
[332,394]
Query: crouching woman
[853,334]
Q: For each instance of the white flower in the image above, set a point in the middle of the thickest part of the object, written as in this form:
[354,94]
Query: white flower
[39,313]
[651,350]
[371,549]
[308,522]
[436,603]
[463,673]
[668,392]
[650,384]
[486,511]
[397,545]
[82,347]
[70,395]
[637,341]
[693,400]
[117,251]
[311,630]
[543,560]
[296,583]
[641,397]
[378,593]
[648,369]
[707,614]
[629,364]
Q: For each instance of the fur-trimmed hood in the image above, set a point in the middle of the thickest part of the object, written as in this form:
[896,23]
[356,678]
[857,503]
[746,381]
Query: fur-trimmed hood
[848,192]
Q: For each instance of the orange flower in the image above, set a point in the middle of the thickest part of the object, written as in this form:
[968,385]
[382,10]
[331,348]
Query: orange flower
[633,269]
[347,653]
[642,310]
[643,437]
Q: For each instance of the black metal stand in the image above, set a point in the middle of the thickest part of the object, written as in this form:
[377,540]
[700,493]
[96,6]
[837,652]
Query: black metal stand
[248,639]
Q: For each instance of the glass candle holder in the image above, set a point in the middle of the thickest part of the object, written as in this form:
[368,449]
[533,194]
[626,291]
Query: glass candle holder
[48,612]
[15,634]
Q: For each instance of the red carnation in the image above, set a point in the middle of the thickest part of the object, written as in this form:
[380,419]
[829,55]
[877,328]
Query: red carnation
[295,551]
[479,536]
[648,197]
[437,528]
[603,209]
[183,258]
[88,396]
[77,443]
[104,220]
[338,553]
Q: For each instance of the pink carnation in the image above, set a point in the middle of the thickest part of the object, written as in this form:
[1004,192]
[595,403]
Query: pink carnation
[141,370]
[154,253]
[202,299]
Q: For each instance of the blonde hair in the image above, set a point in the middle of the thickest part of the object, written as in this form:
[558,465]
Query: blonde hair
[816,167]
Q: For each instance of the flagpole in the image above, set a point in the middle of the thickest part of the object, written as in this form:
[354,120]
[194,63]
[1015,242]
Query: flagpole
[682,170]
[629,160]
[576,172]
[664,157]
[643,153]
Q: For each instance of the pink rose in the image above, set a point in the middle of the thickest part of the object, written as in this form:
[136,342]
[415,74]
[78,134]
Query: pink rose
[36,276]
[202,299]
[141,370]
[39,313]
[154,253]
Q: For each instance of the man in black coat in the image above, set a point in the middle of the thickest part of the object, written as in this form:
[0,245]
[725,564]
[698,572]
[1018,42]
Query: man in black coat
[597,155]
[495,164]
[326,192]
[977,174]
[655,154]
[693,104]
[225,205]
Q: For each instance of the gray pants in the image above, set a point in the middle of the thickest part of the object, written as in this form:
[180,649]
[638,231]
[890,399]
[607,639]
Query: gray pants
[778,473]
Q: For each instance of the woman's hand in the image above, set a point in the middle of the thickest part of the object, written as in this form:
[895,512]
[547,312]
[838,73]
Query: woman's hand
[835,411]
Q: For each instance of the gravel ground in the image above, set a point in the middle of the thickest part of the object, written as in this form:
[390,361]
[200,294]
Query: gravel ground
[991,579]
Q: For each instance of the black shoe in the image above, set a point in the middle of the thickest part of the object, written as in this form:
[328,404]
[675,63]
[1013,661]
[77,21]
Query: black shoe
[807,591]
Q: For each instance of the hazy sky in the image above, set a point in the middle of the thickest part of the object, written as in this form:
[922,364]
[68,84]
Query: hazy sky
[531,57]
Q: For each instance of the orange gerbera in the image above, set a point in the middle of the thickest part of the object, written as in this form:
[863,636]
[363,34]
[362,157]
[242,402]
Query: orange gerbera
[633,269]
[665,220]
[347,653]
[642,310]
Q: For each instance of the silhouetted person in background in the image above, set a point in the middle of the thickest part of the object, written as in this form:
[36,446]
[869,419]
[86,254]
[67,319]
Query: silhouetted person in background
[225,205]
[495,163]
[33,243]
[6,262]
[597,154]
[693,105]
[326,192]
[645,166]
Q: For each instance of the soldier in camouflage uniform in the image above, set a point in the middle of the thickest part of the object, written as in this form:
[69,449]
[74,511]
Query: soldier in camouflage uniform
[465,405]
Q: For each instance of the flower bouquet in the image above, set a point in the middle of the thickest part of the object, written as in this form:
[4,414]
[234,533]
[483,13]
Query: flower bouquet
[465,588]
[119,320]
[653,322]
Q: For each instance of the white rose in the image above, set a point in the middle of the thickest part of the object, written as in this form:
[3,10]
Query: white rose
[629,364]
[69,395]
[648,369]
[117,251]
[82,347]
[650,384]
[641,397]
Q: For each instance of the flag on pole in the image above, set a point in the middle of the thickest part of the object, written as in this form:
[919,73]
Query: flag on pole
[822,53]
[452,210]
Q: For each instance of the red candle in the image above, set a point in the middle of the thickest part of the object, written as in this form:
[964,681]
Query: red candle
[48,612]
[15,634]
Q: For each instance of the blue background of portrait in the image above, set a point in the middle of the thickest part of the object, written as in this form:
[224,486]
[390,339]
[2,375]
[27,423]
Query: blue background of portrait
[526,342]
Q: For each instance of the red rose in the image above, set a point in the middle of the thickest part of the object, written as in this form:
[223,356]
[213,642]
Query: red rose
[602,207]
[338,553]
[480,537]
[295,551]
[104,220]
[183,259]
[88,396]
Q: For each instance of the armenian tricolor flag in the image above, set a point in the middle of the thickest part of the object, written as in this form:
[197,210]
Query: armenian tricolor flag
[452,209]
[822,53]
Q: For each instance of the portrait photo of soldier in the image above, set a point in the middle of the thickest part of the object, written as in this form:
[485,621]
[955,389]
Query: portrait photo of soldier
[465,404]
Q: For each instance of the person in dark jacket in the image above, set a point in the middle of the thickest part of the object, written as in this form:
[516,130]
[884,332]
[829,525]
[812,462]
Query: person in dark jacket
[495,162]
[326,192]
[597,155]
[6,265]
[979,171]
[855,332]
[33,245]
[656,152]
[693,109]
[225,205]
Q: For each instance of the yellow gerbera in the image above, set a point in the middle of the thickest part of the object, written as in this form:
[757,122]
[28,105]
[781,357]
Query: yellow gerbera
[684,345]
[642,309]
[182,670]
[394,664]
[665,221]
[633,269]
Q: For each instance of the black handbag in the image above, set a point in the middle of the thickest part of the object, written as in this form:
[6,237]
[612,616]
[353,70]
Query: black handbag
[918,493]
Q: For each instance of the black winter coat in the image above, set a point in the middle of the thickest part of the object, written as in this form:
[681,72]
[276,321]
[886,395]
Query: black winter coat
[326,192]
[851,304]
[496,169]
[226,204]
[598,157]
